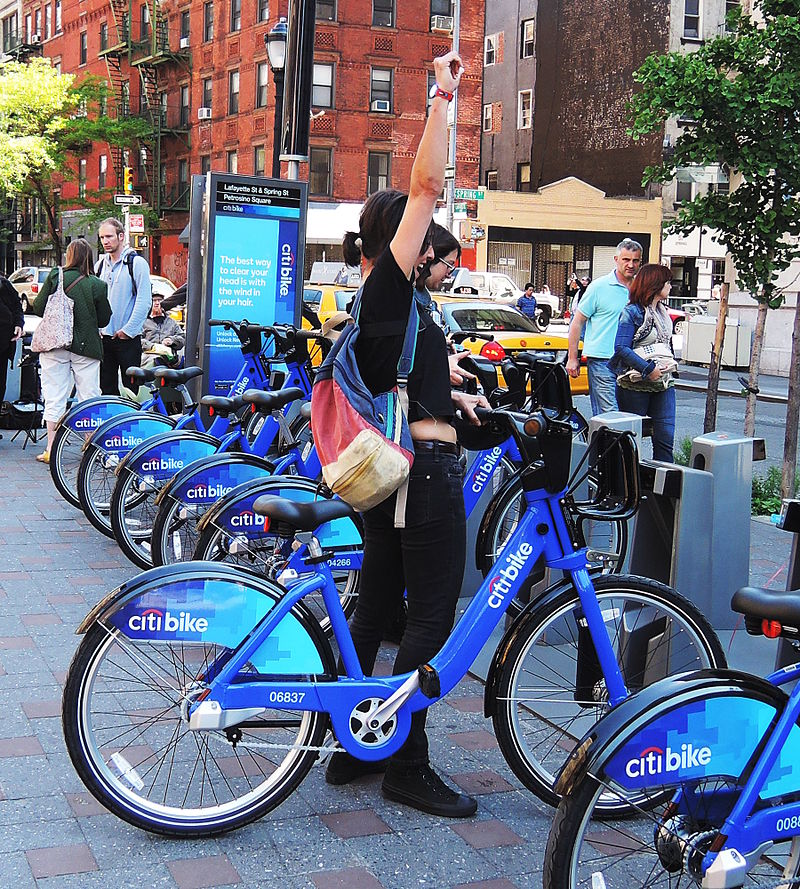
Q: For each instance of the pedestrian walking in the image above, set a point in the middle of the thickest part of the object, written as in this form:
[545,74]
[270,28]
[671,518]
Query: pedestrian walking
[127,276]
[527,302]
[596,320]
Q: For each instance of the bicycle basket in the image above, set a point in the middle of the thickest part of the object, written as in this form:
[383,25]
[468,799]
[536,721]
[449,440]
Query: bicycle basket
[613,475]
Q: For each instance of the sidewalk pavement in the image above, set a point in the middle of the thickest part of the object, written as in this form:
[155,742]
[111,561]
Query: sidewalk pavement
[771,388]
[53,567]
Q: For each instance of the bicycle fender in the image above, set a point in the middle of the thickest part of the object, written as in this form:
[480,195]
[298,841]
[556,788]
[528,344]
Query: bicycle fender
[161,456]
[90,414]
[120,434]
[694,725]
[211,603]
[204,482]
[262,485]
[486,520]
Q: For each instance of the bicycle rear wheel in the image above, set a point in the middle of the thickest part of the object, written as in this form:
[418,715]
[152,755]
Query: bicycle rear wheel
[550,689]
[125,725]
[586,849]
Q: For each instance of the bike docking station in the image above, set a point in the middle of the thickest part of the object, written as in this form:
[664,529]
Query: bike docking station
[692,528]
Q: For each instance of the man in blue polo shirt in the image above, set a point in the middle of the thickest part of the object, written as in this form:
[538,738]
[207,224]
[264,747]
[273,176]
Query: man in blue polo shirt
[599,312]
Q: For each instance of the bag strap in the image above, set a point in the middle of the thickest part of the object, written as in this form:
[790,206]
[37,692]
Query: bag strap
[130,258]
[79,278]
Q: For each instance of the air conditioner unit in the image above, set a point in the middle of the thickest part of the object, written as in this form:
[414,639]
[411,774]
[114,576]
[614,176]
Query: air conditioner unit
[36,38]
[382,105]
[204,114]
[184,43]
[442,24]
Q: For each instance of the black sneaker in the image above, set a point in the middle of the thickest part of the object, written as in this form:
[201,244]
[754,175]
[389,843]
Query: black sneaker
[343,768]
[421,788]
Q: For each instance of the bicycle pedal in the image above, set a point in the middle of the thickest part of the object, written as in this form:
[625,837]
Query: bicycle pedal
[429,683]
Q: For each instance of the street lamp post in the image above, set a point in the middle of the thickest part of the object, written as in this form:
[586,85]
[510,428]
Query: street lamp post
[275,42]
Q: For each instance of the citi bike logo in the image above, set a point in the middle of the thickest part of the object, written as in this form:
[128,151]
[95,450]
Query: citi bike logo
[656,761]
[247,519]
[500,585]
[87,423]
[485,469]
[122,441]
[207,492]
[287,269]
[153,620]
[164,463]
[240,388]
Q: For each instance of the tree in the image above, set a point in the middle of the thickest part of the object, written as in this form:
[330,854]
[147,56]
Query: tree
[740,93]
[46,121]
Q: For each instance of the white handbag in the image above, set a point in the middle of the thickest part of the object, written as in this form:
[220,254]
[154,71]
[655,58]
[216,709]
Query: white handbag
[55,329]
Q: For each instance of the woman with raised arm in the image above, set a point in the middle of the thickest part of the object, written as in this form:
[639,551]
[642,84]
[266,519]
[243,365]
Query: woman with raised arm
[426,557]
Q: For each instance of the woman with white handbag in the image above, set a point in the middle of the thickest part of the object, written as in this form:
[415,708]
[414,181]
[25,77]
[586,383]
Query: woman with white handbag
[643,359]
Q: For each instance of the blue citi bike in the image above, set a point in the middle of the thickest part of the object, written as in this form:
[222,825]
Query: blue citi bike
[201,694]
[708,767]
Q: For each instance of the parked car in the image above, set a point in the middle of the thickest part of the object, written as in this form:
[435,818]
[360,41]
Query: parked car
[27,281]
[678,317]
[510,330]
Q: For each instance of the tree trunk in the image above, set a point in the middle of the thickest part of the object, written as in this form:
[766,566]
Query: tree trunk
[755,364]
[712,394]
[52,221]
[789,474]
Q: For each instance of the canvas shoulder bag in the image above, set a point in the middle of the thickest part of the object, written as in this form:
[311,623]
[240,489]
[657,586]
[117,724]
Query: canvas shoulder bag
[55,329]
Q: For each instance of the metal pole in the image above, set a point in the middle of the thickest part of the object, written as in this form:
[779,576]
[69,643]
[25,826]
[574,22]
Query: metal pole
[297,89]
[451,154]
[278,126]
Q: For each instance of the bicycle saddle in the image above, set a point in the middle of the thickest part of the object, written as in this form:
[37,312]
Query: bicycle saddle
[302,516]
[305,410]
[142,374]
[763,604]
[271,401]
[176,377]
[221,405]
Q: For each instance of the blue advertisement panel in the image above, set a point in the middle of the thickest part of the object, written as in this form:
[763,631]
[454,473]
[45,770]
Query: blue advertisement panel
[255,241]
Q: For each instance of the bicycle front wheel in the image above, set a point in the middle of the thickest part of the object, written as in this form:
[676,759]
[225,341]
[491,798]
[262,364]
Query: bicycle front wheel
[96,478]
[583,853]
[65,461]
[125,724]
[551,690]
[133,512]
[174,537]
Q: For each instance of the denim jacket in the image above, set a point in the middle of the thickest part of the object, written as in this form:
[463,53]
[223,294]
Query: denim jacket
[630,320]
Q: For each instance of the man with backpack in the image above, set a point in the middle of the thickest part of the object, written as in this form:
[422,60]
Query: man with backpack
[127,276]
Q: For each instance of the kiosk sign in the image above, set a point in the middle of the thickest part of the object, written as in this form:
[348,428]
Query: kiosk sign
[255,241]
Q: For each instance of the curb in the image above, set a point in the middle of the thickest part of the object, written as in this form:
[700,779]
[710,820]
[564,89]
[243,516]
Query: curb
[769,397]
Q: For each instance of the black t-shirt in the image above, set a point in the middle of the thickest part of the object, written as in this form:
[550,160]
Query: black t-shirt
[385,304]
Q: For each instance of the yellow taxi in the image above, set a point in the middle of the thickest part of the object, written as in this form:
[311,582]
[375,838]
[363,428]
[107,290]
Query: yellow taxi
[510,330]
[322,301]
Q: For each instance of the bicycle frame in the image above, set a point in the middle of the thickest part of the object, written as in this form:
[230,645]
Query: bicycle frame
[482,469]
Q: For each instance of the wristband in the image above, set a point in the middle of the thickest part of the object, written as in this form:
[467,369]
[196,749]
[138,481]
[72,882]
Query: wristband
[436,90]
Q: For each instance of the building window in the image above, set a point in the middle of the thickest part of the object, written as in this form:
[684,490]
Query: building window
[322,88]
[441,7]
[487,118]
[102,170]
[382,13]
[259,160]
[319,180]
[208,21]
[10,35]
[205,164]
[37,23]
[28,28]
[380,93]
[84,48]
[491,180]
[183,179]
[232,161]
[262,69]
[82,178]
[377,171]
[207,92]
[263,11]
[523,177]
[236,15]
[683,192]
[525,110]
[691,18]
[162,102]
[102,105]
[48,12]
[184,118]
[326,10]
[58,16]
[144,21]
[730,5]
[185,22]
[233,92]
[103,36]
[527,39]
[489,50]
[142,164]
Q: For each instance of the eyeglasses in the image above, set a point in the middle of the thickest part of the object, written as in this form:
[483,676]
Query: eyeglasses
[450,266]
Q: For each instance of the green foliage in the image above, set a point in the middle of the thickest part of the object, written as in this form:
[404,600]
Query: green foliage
[767,492]
[741,91]
[683,453]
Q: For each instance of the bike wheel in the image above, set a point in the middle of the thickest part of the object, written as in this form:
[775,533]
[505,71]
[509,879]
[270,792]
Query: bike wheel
[133,511]
[175,535]
[267,555]
[550,688]
[65,461]
[96,480]
[583,852]
[125,726]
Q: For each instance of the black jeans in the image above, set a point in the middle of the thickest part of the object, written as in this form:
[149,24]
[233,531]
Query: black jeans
[118,355]
[426,558]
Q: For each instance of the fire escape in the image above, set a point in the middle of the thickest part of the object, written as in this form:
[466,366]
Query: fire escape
[154,59]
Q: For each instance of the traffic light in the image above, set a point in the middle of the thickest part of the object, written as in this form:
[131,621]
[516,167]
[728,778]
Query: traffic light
[127,180]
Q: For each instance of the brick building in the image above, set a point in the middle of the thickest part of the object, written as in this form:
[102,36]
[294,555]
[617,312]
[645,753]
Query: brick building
[198,72]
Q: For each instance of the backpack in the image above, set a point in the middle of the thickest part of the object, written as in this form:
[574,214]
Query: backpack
[129,260]
[55,329]
[363,440]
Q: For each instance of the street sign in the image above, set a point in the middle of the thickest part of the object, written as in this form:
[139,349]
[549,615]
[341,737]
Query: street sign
[450,173]
[460,207]
[136,223]
[126,200]
[140,242]
[469,194]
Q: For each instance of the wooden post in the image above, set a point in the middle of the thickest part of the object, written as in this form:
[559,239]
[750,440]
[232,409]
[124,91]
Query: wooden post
[789,473]
[710,419]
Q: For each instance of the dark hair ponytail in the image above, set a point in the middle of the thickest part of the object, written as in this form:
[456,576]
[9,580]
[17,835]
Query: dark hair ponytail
[351,248]
[379,220]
